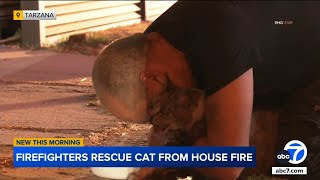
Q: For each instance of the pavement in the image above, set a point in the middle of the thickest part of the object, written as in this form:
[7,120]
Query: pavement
[42,65]
[48,94]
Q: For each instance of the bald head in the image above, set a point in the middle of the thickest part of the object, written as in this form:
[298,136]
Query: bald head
[116,73]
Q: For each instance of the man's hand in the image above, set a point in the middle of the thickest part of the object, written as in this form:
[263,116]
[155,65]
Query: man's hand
[228,116]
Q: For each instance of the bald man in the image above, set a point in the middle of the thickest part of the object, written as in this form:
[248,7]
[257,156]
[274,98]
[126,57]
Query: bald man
[242,54]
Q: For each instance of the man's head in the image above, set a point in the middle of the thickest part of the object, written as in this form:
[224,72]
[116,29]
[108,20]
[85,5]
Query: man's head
[131,70]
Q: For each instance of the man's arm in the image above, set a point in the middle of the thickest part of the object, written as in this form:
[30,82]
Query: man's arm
[228,115]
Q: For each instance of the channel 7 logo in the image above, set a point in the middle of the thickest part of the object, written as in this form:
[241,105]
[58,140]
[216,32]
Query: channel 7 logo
[294,152]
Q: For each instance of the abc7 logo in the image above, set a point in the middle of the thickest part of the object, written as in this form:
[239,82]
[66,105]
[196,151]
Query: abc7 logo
[295,152]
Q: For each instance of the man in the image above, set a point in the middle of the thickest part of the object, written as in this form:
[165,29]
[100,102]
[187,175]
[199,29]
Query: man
[242,54]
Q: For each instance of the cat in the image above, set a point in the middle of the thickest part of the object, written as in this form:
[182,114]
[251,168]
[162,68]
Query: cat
[177,118]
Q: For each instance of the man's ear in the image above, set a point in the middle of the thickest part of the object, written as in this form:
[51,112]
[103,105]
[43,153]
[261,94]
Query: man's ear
[154,82]
[153,78]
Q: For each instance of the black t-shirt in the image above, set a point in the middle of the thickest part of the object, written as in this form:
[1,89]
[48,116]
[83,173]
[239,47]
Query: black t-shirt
[222,40]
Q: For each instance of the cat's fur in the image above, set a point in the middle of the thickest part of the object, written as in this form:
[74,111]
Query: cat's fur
[177,119]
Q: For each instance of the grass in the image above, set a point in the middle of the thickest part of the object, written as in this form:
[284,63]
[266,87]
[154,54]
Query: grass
[96,41]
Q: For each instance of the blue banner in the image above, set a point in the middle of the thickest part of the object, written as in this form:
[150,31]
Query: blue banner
[134,156]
